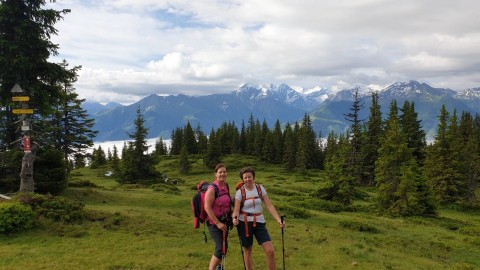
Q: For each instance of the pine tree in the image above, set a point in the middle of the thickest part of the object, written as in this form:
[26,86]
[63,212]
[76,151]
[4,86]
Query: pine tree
[277,140]
[412,128]
[25,49]
[213,155]
[373,133]
[138,166]
[401,185]
[438,164]
[185,165]
[355,139]
[289,147]
[189,139]
[202,140]
[69,127]
[340,182]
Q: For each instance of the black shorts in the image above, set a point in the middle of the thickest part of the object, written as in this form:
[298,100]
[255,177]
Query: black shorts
[217,236]
[260,231]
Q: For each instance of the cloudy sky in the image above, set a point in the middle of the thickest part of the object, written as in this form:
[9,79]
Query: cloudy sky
[129,49]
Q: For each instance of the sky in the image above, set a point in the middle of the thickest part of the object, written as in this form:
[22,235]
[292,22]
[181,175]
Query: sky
[131,49]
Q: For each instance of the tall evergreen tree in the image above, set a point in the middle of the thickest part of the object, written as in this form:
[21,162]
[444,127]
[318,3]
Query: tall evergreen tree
[213,155]
[138,165]
[289,147]
[438,164]
[373,133]
[202,140]
[401,185]
[25,49]
[340,183]
[184,163]
[70,126]
[355,140]
[189,139]
[411,126]
[277,139]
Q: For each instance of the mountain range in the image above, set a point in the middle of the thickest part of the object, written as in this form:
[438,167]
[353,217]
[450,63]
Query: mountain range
[270,103]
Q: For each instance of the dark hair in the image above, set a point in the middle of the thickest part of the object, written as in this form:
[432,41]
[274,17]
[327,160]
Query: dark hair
[219,165]
[247,170]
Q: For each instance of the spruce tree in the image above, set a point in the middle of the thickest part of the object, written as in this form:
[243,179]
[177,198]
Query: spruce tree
[213,155]
[373,133]
[184,163]
[138,165]
[438,164]
[412,128]
[402,188]
[25,49]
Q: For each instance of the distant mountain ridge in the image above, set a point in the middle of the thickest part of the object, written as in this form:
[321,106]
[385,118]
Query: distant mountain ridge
[270,103]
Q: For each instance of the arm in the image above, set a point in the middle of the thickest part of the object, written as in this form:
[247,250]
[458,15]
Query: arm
[272,210]
[236,212]
[209,200]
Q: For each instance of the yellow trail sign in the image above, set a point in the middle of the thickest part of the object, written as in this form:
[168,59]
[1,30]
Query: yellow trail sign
[21,98]
[22,111]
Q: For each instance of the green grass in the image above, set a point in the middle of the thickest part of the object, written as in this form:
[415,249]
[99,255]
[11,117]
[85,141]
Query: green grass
[135,227]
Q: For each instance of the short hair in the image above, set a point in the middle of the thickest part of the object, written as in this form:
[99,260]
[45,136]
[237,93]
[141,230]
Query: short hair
[247,170]
[219,165]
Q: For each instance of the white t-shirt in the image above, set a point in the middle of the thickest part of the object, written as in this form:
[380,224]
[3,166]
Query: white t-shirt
[252,205]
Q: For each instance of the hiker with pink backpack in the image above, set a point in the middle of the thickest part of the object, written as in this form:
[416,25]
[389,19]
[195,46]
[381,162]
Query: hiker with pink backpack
[218,208]
[248,218]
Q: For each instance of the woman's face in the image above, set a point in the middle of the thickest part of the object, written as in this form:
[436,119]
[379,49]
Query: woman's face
[221,174]
[248,178]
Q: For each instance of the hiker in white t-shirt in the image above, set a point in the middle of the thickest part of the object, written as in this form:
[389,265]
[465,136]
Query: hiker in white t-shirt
[248,217]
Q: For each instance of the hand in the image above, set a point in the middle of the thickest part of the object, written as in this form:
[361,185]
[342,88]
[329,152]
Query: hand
[221,226]
[235,221]
[282,225]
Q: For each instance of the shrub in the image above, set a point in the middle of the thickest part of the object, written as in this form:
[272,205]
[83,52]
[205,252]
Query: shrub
[15,217]
[358,226]
[55,208]
[61,209]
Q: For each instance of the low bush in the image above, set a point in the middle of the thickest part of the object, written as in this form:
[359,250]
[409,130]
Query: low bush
[15,217]
[56,208]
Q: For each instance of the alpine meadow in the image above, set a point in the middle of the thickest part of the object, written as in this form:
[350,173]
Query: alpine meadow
[380,193]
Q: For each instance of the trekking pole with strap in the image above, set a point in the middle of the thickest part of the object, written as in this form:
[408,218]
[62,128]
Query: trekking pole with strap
[283,243]
[241,249]
[224,250]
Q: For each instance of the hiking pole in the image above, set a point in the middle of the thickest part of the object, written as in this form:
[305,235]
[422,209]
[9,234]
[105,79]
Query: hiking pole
[283,243]
[241,249]
[224,251]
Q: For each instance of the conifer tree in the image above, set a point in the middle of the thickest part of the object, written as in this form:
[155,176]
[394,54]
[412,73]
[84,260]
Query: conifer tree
[115,161]
[373,133]
[177,140]
[289,147]
[412,128]
[401,185]
[339,179]
[213,155]
[184,162]
[98,158]
[307,146]
[189,139]
[355,140]
[277,139]
[243,139]
[259,139]
[138,165]
[438,164]
[69,128]
[202,140]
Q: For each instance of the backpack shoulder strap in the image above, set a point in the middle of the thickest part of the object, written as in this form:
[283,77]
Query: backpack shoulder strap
[259,191]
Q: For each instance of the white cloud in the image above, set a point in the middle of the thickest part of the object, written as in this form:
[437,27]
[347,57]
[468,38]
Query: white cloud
[129,49]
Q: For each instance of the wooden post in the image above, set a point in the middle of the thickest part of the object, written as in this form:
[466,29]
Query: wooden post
[27,183]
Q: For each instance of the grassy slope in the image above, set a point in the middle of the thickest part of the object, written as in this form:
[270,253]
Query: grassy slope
[139,228]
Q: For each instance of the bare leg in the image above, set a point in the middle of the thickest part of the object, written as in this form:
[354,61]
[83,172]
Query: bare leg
[214,261]
[270,254]
[247,257]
